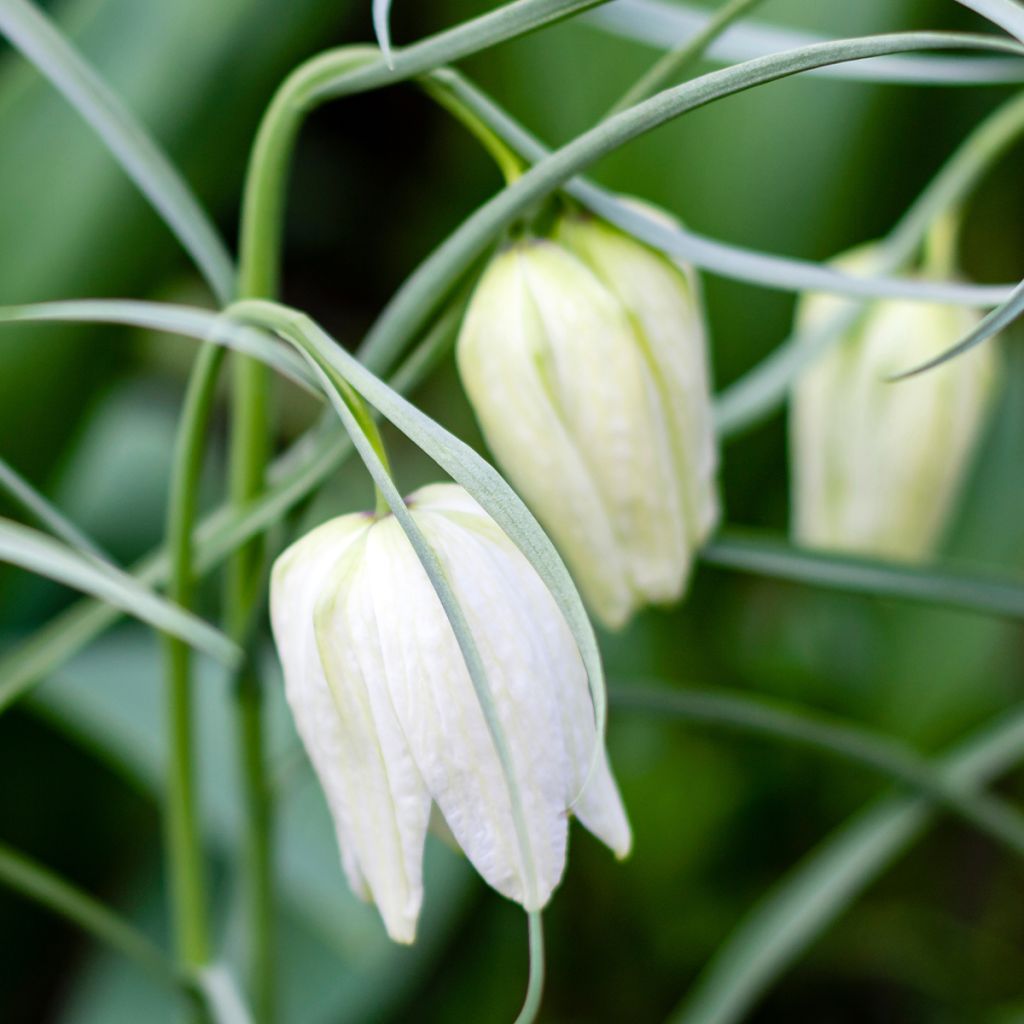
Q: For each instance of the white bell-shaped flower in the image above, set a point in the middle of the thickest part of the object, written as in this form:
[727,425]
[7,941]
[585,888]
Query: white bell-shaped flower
[387,712]
[585,360]
[877,465]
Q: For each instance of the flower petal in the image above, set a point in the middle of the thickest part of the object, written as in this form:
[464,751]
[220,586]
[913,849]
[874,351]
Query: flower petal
[502,361]
[387,800]
[438,708]
[298,577]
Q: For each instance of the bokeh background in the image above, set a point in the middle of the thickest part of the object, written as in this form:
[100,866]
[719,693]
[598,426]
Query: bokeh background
[805,167]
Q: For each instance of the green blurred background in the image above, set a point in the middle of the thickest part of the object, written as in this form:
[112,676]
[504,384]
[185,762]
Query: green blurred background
[804,167]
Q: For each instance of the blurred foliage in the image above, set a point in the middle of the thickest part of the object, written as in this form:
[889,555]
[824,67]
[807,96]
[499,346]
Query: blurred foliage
[805,167]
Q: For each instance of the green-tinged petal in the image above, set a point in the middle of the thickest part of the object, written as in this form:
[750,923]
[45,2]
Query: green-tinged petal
[555,662]
[877,465]
[434,699]
[662,300]
[500,359]
[331,650]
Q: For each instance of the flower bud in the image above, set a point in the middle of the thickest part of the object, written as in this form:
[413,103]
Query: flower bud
[584,357]
[878,464]
[387,712]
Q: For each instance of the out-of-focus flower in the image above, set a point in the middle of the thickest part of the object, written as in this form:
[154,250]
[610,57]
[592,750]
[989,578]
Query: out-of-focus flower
[584,357]
[386,708]
[877,465]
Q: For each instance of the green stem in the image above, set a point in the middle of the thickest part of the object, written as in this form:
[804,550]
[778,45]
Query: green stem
[42,885]
[670,67]
[184,846]
[508,161]
[535,984]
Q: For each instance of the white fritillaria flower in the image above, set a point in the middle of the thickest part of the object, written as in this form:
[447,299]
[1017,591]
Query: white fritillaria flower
[386,708]
[585,360]
[877,465]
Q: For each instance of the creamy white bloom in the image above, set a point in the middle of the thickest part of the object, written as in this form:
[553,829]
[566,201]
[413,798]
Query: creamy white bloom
[877,465]
[585,360]
[386,709]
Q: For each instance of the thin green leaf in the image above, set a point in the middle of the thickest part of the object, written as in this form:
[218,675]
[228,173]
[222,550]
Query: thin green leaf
[46,512]
[39,39]
[853,743]
[662,24]
[382,28]
[39,553]
[731,261]
[934,585]
[433,280]
[291,477]
[804,903]
[189,321]
[1007,14]
[996,321]
[474,473]
[42,885]
[220,993]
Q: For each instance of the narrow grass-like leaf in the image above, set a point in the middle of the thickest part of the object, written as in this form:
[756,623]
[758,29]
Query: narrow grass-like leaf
[662,24]
[433,280]
[46,512]
[474,473]
[733,261]
[220,993]
[804,903]
[1007,14]
[291,477]
[39,553]
[40,884]
[935,585]
[775,720]
[382,28]
[189,321]
[32,32]
[996,321]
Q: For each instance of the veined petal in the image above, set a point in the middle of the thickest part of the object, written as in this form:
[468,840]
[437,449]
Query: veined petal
[297,580]
[387,800]
[555,663]
[434,699]
[662,300]
[502,362]
[606,395]
[877,466]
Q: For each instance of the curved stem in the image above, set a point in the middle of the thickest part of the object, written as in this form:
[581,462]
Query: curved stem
[345,72]
[508,161]
[535,983]
[670,66]
[42,885]
[184,846]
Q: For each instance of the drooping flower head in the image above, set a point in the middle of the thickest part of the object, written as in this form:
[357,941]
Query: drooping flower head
[584,356]
[878,464]
[387,712]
